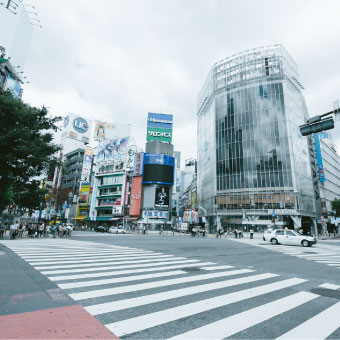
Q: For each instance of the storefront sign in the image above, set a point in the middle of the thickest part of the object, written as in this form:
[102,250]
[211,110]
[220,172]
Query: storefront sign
[136,196]
[138,164]
[163,135]
[80,125]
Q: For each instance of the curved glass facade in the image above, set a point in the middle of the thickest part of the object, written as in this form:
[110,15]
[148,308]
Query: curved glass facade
[251,156]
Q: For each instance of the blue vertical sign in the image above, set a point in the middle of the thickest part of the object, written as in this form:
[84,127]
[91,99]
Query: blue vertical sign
[321,171]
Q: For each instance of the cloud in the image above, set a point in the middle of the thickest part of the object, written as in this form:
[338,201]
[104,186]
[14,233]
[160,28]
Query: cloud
[118,60]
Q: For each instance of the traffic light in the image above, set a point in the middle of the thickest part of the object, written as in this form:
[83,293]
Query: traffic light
[318,126]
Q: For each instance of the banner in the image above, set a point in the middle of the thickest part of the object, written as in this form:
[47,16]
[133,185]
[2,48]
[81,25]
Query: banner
[159,127]
[113,150]
[162,197]
[136,196]
[105,130]
[87,164]
[321,171]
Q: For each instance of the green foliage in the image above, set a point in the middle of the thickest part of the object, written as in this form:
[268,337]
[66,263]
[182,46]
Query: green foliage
[336,206]
[26,143]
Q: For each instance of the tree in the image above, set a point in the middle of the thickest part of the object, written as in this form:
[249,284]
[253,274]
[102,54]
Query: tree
[26,142]
[336,207]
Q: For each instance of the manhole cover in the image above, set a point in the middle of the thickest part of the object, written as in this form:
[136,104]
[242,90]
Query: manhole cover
[335,294]
[191,269]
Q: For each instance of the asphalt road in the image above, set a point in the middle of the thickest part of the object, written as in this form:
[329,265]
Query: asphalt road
[157,287]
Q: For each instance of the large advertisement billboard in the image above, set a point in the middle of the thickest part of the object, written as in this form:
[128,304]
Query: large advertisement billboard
[87,163]
[76,127]
[321,170]
[158,168]
[159,127]
[113,149]
[162,197]
[106,130]
[136,196]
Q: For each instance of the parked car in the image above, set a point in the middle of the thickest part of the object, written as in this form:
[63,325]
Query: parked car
[101,229]
[289,237]
[117,230]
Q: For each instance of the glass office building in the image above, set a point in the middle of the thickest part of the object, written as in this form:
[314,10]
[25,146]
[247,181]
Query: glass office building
[253,163]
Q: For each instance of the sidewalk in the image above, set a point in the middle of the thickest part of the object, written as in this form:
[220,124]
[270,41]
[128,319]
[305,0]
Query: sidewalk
[33,307]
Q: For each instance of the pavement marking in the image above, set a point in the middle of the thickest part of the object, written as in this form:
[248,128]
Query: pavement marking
[100,262]
[319,326]
[217,267]
[173,294]
[81,284]
[236,323]
[149,285]
[143,322]
[114,266]
[133,271]
[67,255]
[93,258]
[329,286]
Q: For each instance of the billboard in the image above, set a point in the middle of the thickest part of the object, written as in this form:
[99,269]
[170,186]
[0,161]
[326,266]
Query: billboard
[113,150]
[87,164]
[158,168]
[159,127]
[162,197]
[138,164]
[136,196]
[321,171]
[163,135]
[76,127]
[13,86]
[105,130]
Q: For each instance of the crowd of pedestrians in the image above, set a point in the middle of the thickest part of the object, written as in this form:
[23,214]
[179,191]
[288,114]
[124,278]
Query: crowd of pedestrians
[37,230]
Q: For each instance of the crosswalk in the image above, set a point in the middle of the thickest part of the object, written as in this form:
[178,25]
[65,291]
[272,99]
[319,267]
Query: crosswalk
[142,294]
[320,253]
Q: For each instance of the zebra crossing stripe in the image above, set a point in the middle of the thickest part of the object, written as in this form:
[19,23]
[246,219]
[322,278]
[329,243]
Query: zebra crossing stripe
[99,262]
[143,322]
[318,327]
[329,286]
[160,267]
[149,285]
[99,266]
[236,323]
[65,255]
[93,258]
[118,280]
[217,267]
[158,297]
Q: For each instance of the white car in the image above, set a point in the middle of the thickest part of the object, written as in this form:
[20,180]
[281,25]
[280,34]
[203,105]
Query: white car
[289,237]
[117,230]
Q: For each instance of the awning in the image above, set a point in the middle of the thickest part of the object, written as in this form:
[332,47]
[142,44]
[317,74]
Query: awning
[103,218]
[115,219]
[133,218]
[79,218]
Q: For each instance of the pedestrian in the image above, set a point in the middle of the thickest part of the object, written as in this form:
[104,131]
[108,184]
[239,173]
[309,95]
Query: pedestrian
[20,230]
[41,230]
[2,229]
[54,230]
[13,231]
[143,229]
[24,230]
[47,231]
[251,233]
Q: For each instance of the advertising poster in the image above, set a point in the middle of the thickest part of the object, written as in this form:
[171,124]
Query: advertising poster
[113,149]
[87,163]
[76,127]
[159,127]
[138,164]
[136,196]
[106,130]
[321,171]
[162,197]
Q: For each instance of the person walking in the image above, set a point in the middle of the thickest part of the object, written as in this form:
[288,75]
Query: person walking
[2,229]
[251,233]
[47,232]
[13,231]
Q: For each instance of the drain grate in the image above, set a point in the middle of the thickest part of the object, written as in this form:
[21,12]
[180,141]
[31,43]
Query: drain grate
[191,269]
[335,294]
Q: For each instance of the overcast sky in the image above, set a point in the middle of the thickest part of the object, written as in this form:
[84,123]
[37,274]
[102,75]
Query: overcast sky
[117,60]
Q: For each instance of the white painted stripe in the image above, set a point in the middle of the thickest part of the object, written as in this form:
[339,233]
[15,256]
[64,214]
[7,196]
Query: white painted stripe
[329,286]
[133,271]
[73,251]
[119,279]
[92,258]
[96,266]
[318,327]
[217,267]
[173,294]
[149,285]
[84,263]
[236,323]
[333,264]
[104,268]
[142,322]
[329,262]
[65,255]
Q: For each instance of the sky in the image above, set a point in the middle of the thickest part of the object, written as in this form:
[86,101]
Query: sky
[117,60]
